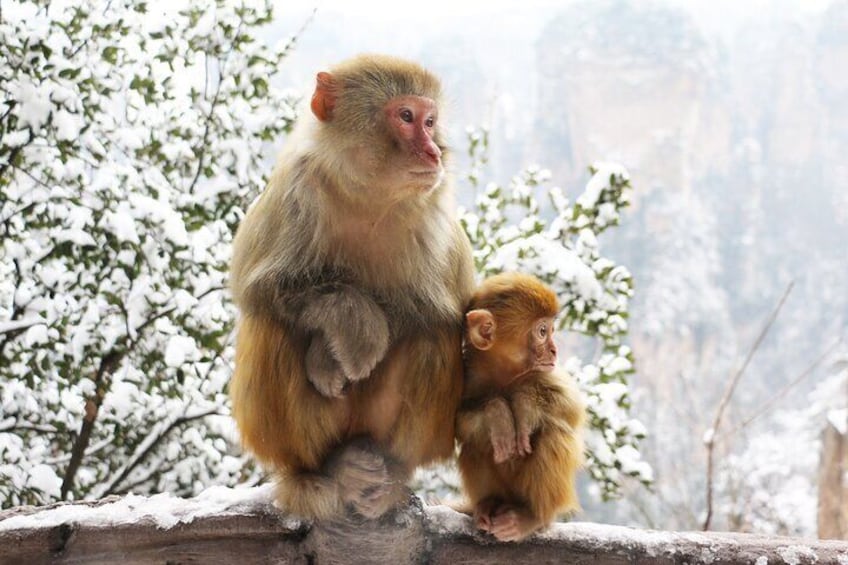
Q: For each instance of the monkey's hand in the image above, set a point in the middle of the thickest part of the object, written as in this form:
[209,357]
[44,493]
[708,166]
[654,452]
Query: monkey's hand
[364,480]
[351,335]
[322,369]
[526,414]
[522,441]
[501,429]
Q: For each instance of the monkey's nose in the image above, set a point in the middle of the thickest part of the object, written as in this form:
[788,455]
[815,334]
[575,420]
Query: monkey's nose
[432,151]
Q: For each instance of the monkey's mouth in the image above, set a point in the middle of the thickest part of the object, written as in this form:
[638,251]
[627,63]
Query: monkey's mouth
[427,179]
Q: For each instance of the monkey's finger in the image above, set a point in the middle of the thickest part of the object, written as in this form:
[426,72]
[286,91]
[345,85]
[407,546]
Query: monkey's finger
[375,492]
[508,532]
[505,527]
[483,523]
[510,536]
[524,447]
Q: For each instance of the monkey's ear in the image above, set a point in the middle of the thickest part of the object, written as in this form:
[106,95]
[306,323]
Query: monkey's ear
[324,98]
[481,328]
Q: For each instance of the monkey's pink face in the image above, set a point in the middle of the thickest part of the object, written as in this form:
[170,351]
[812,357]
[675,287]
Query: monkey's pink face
[543,350]
[412,123]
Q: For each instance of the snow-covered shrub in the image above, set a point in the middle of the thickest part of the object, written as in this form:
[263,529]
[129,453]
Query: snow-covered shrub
[510,230]
[130,141]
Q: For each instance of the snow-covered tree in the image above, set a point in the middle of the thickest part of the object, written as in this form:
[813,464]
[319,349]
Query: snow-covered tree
[511,230]
[131,135]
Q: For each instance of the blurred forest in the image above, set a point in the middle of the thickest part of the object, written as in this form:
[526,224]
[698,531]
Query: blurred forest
[733,124]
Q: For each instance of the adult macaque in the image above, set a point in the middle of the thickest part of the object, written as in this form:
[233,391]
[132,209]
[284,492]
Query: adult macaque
[352,273]
[520,424]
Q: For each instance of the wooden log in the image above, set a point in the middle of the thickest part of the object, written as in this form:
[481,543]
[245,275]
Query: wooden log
[833,484]
[241,526]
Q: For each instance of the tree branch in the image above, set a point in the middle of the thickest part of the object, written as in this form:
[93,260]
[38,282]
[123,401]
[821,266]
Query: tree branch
[767,405]
[112,488]
[92,407]
[725,400]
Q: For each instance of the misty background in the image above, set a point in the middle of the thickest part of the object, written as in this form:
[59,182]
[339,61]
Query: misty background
[732,121]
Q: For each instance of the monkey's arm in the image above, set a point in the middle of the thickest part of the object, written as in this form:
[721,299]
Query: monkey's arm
[547,399]
[528,414]
[346,332]
[350,335]
[491,422]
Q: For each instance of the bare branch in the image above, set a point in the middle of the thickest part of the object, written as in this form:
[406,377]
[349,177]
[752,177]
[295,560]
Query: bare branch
[725,400]
[150,445]
[768,404]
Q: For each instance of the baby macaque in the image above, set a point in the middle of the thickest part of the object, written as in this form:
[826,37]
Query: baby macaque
[520,422]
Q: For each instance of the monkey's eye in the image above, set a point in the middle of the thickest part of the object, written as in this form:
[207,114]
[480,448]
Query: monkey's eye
[406,115]
[430,122]
[543,331]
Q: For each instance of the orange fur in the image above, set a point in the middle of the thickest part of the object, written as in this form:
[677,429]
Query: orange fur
[544,480]
[528,489]
[515,299]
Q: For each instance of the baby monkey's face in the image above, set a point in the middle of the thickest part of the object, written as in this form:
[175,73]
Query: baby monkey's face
[542,351]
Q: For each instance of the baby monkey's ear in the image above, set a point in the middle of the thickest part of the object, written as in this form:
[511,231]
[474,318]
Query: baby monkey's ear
[481,328]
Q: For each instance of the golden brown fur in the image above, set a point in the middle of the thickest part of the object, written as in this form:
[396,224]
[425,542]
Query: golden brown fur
[520,423]
[342,223]
[542,481]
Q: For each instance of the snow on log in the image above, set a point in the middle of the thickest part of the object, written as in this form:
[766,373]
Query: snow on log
[242,526]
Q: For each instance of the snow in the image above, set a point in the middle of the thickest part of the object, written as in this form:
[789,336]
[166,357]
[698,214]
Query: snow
[44,478]
[163,510]
[838,418]
[549,257]
[180,349]
[792,555]
[7,327]
[446,520]
[34,104]
[599,182]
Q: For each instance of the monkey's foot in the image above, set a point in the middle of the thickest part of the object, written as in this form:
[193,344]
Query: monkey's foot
[376,501]
[511,524]
[364,481]
[483,513]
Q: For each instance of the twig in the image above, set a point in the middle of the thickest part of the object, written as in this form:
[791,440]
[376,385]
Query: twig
[147,449]
[725,400]
[785,390]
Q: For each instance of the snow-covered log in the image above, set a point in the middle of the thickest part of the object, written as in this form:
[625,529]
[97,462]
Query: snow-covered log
[242,526]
